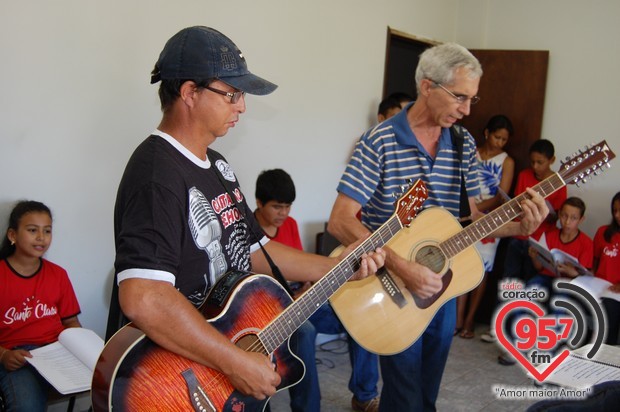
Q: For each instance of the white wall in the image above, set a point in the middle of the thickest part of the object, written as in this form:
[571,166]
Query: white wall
[581,105]
[76,97]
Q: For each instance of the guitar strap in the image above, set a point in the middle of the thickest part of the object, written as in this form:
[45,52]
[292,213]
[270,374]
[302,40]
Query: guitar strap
[458,139]
[274,268]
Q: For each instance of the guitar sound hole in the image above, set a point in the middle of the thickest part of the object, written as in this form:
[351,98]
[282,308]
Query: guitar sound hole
[432,257]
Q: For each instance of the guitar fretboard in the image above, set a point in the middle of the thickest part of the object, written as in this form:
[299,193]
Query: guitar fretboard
[497,218]
[274,334]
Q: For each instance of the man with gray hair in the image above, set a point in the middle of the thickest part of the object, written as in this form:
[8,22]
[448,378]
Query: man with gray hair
[417,144]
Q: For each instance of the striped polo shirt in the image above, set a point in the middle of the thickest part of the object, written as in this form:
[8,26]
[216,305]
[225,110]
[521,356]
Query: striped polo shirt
[389,156]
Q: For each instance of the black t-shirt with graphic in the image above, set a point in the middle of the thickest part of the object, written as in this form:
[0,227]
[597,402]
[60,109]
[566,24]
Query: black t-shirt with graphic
[175,221]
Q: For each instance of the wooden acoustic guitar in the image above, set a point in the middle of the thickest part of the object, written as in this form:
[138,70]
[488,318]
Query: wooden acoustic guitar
[254,311]
[385,318]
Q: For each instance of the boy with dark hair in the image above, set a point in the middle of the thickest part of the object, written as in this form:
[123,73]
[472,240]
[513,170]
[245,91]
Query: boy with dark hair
[568,239]
[275,193]
[275,184]
[542,156]
[392,104]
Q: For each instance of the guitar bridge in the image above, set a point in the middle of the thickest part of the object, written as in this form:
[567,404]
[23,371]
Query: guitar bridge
[391,288]
[198,398]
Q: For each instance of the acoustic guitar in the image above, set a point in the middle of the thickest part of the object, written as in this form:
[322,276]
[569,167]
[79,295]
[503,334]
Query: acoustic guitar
[254,311]
[384,317]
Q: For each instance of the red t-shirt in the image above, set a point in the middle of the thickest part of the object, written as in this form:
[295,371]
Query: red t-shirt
[607,253]
[581,248]
[527,179]
[33,307]
[288,234]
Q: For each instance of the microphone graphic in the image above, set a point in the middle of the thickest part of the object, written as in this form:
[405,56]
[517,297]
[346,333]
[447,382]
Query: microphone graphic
[206,232]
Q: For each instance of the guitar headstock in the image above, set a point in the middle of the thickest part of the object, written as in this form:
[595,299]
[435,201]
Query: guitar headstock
[586,163]
[410,203]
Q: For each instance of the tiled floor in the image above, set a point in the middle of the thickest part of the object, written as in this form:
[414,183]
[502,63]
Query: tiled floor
[467,384]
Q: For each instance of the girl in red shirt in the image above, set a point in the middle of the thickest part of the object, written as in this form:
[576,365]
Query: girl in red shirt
[37,302]
[607,266]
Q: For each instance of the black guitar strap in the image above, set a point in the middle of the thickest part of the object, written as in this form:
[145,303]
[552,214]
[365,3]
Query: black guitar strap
[458,139]
[274,268]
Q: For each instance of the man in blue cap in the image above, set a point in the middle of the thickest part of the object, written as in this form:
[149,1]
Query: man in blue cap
[181,221]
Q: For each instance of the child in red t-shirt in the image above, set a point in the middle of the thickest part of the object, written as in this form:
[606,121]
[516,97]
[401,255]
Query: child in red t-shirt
[275,193]
[607,266]
[37,302]
[568,239]
[542,156]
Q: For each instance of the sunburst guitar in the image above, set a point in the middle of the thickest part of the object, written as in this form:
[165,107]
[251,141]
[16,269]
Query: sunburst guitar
[386,318]
[254,311]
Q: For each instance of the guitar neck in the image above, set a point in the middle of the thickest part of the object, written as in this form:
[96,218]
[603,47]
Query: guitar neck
[274,334]
[504,214]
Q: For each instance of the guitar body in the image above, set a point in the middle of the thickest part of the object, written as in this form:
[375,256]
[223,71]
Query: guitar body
[135,374]
[368,311]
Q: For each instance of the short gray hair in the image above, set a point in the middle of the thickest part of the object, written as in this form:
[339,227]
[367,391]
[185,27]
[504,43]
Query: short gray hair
[439,63]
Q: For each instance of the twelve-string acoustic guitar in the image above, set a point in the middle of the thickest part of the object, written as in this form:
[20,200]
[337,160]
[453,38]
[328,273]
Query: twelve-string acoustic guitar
[254,311]
[386,318]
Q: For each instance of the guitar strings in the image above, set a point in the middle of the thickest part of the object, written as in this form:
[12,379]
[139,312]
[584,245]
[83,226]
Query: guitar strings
[495,219]
[276,332]
[280,328]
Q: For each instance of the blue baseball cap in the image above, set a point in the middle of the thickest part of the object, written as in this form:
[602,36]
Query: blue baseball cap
[201,53]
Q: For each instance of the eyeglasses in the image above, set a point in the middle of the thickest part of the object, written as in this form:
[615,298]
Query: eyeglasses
[234,97]
[459,97]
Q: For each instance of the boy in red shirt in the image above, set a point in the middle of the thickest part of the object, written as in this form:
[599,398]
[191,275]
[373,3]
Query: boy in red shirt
[542,156]
[275,193]
[568,239]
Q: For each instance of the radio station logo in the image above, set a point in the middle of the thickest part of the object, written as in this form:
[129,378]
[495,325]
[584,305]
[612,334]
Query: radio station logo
[539,333]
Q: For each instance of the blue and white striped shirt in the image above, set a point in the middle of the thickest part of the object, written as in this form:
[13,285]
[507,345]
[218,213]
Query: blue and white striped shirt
[389,156]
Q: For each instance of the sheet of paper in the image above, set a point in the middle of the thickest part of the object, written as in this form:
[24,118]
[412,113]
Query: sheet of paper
[605,354]
[61,365]
[580,373]
[597,287]
[85,344]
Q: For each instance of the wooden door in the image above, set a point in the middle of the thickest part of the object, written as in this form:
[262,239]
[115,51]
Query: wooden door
[513,83]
